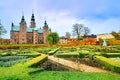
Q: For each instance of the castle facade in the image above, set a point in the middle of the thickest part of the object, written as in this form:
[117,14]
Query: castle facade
[23,34]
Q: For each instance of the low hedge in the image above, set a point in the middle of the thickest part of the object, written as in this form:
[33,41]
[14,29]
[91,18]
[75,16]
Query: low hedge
[44,50]
[53,51]
[108,63]
[92,54]
[83,53]
[111,55]
[67,55]
[36,61]
[30,55]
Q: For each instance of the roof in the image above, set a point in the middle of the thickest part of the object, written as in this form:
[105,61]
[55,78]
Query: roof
[105,36]
[17,28]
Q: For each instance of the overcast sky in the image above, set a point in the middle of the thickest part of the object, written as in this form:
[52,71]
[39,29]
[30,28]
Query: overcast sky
[101,16]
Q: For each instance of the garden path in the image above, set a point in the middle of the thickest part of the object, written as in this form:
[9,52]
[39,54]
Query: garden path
[75,65]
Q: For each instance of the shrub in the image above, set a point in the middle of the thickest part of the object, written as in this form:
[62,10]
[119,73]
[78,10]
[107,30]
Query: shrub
[108,63]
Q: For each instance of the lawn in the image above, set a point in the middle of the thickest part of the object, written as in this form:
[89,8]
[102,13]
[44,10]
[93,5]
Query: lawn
[57,75]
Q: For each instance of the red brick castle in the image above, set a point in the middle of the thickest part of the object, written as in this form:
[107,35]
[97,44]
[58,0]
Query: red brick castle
[28,35]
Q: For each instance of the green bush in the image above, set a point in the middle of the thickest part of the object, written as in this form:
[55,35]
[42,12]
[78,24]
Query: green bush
[108,63]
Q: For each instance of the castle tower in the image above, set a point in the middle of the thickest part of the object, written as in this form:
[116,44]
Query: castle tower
[35,36]
[45,32]
[32,23]
[12,34]
[22,32]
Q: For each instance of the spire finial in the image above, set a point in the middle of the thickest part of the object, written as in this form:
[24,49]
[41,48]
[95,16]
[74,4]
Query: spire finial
[45,24]
[32,11]
[23,20]
[12,24]
[22,13]
[32,17]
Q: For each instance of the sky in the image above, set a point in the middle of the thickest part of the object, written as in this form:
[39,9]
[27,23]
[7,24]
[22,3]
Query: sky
[101,16]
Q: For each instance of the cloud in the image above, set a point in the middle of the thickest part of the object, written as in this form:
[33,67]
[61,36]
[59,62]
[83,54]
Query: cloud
[100,16]
[62,22]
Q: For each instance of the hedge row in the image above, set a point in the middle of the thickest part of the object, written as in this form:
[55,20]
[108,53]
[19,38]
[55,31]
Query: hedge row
[86,53]
[111,55]
[53,51]
[23,46]
[108,63]
[67,55]
[36,61]
[83,53]
[30,55]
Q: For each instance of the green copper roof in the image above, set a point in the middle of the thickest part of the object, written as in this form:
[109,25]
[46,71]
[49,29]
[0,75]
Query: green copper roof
[29,29]
[35,28]
[40,30]
[17,28]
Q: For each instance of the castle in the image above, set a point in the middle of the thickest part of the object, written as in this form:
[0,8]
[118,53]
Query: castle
[28,35]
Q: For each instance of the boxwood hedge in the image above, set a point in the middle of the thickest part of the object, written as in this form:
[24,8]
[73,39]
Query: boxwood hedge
[108,63]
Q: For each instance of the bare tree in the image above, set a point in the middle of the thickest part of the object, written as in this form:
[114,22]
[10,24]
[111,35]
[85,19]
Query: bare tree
[86,31]
[78,29]
[67,35]
[2,30]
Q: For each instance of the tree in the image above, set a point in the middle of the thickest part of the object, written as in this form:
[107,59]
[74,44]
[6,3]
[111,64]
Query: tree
[52,38]
[67,35]
[78,29]
[2,30]
[86,31]
[116,35]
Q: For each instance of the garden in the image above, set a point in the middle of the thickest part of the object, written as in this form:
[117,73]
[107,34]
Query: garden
[34,63]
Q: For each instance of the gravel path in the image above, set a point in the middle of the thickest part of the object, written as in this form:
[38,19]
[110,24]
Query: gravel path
[74,65]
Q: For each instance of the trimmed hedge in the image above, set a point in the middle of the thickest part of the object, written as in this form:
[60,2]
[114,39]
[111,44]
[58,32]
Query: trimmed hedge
[53,51]
[108,63]
[44,50]
[83,53]
[67,55]
[30,55]
[36,61]
[111,55]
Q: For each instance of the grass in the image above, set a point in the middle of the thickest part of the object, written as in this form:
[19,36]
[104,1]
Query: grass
[57,75]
